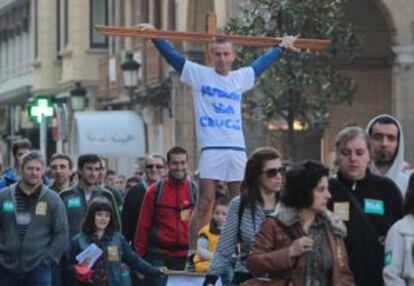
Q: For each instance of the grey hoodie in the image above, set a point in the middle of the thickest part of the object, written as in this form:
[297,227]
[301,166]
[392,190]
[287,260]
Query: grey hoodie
[395,172]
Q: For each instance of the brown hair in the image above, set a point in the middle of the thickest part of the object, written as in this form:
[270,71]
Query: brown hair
[21,144]
[250,190]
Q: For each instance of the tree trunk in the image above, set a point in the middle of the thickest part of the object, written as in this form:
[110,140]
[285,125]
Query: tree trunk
[292,154]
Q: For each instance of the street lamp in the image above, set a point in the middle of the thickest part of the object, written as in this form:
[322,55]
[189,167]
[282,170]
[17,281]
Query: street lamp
[130,69]
[78,97]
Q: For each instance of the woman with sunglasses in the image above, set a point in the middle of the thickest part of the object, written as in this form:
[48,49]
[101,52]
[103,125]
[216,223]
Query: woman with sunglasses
[301,243]
[263,180]
[399,246]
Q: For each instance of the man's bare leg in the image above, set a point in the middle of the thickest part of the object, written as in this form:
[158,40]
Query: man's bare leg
[203,209]
[201,216]
[234,188]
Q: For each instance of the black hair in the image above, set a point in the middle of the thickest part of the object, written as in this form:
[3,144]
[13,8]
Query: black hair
[21,144]
[86,159]
[250,187]
[177,150]
[301,180]
[385,119]
[110,172]
[98,204]
[62,156]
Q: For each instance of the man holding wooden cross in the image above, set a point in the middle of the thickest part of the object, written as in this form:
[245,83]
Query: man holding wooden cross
[217,94]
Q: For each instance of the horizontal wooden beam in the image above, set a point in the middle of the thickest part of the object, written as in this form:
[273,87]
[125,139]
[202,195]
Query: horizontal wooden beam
[312,44]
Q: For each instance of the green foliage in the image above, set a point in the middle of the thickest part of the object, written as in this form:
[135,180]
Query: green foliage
[300,86]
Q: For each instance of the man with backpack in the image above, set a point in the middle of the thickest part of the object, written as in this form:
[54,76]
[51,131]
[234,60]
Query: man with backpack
[161,235]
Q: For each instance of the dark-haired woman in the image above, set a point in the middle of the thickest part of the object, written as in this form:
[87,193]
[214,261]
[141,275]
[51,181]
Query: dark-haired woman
[301,243]
[99,228]
[399,246]
[260,191]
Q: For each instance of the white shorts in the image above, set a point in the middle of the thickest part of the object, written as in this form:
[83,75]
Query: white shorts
[222,164]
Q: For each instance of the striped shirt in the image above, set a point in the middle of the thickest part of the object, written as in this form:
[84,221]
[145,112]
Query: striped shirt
[249,225]
[25,205]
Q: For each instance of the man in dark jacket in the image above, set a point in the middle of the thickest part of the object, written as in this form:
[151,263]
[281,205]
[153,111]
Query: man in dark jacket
[77,197]
[155,169]
[368,204]
[33,227]
[162,232]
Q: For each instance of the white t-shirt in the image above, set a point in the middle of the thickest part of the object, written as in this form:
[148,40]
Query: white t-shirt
[217,103]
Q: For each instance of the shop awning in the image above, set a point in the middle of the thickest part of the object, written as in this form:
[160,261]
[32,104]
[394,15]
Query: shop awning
[109,133]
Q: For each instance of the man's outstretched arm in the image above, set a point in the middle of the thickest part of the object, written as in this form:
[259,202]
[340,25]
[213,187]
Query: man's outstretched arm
[264,61]
[170,54]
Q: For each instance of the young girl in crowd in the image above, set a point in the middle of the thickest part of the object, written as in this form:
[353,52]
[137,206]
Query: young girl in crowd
[99,228]
[399,246]
[208,236]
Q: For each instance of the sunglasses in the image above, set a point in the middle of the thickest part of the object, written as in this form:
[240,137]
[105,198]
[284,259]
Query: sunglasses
[271,173]
[150,166]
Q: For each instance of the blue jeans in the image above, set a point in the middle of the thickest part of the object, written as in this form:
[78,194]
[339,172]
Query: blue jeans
[40,276]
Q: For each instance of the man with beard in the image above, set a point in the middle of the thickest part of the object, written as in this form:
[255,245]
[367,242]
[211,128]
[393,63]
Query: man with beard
[387,140]
[76,198]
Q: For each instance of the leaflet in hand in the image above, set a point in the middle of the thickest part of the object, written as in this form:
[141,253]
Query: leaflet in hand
[89,255]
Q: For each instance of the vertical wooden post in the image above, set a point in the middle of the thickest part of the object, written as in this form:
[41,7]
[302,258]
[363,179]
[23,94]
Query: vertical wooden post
[211,28]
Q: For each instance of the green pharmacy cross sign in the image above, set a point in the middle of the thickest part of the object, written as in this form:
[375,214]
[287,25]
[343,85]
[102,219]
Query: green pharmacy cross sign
[42,106]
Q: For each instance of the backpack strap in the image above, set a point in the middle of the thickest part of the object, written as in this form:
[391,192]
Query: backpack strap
[193,191]
[354,201]
[158,188]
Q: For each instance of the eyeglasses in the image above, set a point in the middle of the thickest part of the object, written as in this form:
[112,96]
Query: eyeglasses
[151,166]
[271,173]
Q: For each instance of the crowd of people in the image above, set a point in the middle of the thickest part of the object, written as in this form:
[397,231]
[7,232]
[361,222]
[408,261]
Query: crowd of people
[291,223]
[254,220]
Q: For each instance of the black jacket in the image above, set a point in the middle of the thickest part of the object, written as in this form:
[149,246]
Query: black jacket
[130,210]
[380,202]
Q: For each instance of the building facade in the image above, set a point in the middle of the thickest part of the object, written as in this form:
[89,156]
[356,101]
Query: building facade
[49,56]
[45,48]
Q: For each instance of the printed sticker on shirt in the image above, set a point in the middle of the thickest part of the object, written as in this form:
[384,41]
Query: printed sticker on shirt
[341,211]
[388,258]
[41,208]
[8,207]
[113,254]
[74,203]
[373,207]
[185,215]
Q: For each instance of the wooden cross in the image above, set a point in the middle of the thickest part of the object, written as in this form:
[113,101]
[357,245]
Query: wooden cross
[211,28]
[312,44]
